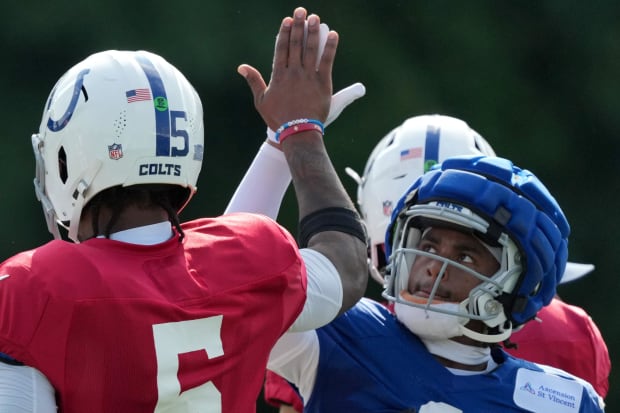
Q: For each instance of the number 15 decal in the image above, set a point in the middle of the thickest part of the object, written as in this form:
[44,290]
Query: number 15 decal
[172,339]
[168,142]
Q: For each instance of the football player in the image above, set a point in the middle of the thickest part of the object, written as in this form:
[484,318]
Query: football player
[144,313]
[469,266]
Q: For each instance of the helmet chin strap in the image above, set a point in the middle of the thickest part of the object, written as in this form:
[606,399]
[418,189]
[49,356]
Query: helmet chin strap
[490,307]
[39,188]
[488,338]
[432,324]
[48,210]
[78,194]
[374,273]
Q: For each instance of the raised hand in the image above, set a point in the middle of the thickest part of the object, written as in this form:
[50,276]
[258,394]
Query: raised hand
[301,90]
[296,88]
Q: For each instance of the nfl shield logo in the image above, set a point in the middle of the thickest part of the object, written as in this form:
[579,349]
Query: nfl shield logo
[115,151]
[387,208]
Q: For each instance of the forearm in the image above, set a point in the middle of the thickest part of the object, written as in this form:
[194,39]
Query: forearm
[317,187]
[300,91]
[264,184]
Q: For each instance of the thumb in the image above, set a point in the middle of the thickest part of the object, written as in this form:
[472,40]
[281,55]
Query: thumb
[255,81]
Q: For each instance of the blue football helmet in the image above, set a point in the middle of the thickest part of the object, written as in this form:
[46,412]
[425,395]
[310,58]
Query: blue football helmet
[506,207]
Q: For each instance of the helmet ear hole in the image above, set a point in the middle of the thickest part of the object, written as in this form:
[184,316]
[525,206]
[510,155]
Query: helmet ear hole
[62,165]
[536,289]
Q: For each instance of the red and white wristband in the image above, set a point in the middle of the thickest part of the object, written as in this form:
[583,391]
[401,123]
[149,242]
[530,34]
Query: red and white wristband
[296,126]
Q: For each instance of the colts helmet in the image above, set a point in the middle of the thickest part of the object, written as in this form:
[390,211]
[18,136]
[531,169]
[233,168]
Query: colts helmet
[116,118]
[403,155]
[505,207]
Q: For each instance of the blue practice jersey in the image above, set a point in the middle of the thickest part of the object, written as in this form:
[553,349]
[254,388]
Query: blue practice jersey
[370,362]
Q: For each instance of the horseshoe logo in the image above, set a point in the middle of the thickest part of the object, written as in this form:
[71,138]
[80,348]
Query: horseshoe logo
[57,125]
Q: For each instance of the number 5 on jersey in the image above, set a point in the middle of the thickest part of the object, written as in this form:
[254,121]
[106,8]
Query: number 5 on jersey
[172,339]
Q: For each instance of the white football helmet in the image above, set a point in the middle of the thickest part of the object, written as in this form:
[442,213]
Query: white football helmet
[116,118]
[403,155]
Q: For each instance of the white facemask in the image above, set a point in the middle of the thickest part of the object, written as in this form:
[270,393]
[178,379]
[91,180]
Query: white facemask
[431,324]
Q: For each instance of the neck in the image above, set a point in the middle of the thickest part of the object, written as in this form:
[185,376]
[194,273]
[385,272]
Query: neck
[130,217]
[133,217]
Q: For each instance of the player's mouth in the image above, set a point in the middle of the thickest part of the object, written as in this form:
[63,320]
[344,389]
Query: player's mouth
[422,297]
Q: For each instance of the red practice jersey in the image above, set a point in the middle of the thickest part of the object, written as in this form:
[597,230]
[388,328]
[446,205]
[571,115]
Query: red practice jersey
[568,339]
[174,327]
[278,391]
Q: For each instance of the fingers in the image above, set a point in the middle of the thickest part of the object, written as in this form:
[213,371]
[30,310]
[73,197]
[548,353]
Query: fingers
[300,41]
[296,44]
[311,49]
[255,81]
[296,70]
[326,62]
[323,31]
[350,93]
[280,56]
[344,98]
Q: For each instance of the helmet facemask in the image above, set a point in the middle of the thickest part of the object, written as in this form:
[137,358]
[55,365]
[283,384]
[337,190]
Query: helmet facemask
[484,301]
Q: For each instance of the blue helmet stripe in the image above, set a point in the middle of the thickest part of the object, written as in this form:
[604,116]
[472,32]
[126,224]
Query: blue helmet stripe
[160,107]
[431,148]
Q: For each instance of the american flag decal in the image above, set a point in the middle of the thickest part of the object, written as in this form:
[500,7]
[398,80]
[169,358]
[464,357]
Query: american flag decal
[411,153]
[137,95]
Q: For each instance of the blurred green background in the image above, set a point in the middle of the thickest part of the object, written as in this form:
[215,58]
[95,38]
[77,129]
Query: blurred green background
[538,79]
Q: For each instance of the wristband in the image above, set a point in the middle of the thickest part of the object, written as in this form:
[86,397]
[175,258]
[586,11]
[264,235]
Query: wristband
[297,129]
[298,125]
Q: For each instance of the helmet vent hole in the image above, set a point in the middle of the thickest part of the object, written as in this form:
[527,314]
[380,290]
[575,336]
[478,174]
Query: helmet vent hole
[121,123]
[62,165]
[85,93]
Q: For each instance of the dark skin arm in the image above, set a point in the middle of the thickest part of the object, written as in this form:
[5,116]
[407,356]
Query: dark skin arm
[296,90]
